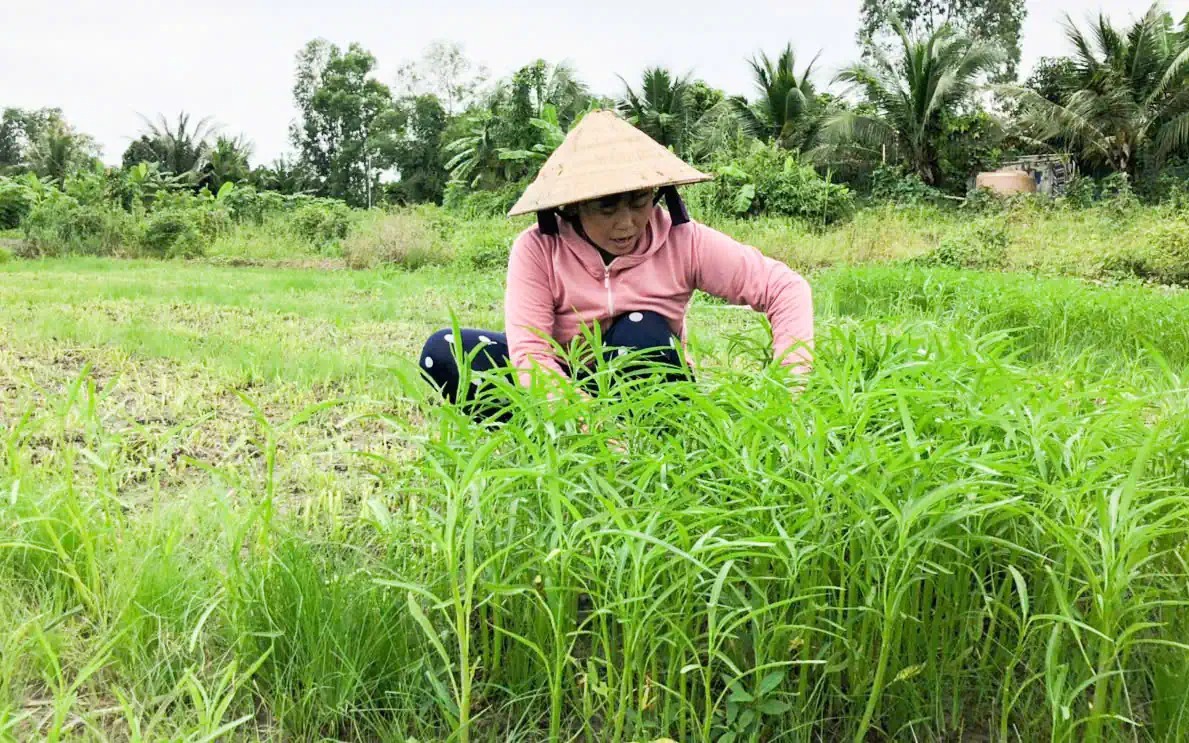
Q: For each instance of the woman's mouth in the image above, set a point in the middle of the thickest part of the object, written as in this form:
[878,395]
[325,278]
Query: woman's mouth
[623,243]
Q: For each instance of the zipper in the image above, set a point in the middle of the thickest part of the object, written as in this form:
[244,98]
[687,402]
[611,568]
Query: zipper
[607,286]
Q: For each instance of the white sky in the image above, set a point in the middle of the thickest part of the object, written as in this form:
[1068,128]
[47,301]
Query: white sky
[106,61]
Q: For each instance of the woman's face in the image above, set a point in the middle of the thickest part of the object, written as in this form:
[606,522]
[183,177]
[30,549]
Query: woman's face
[615,223]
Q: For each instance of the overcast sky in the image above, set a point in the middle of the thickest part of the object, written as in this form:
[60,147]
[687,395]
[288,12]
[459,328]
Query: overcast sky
[106,61]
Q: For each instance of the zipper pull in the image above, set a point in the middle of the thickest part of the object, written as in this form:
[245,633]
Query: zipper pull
[607,286]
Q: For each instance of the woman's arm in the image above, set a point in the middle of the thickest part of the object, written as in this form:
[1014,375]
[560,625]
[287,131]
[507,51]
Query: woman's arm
[528,310]
[742,274]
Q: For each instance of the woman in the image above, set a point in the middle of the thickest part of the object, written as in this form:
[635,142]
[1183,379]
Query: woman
[603,252]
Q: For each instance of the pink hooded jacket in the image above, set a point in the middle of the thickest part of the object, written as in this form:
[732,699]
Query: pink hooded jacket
[558,283]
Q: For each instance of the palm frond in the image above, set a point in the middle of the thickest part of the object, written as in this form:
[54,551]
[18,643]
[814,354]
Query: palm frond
[1172,136]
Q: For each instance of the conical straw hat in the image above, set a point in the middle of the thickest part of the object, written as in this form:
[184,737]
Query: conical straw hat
[601,156]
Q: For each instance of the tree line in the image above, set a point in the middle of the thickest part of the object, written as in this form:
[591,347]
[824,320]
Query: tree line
[934,94]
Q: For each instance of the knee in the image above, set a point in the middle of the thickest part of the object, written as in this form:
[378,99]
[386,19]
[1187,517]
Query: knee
[642,329]
[437,354]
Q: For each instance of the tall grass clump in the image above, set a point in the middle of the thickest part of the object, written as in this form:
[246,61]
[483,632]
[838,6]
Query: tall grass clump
[930,541]
[401,239]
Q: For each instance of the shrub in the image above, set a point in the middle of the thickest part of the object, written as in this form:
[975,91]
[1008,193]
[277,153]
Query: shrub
[246,204]
[398,238]
[16,200]
[1113,192]
[61,226]
[5,254]
[981,245]
[771,181]
[322,221]
[1161,257]
[895,186]
[174,233]
[472,204]
[1081,192]
[483,247]
[1119,196]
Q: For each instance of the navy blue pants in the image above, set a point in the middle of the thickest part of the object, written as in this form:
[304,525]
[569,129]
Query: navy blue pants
[631,331]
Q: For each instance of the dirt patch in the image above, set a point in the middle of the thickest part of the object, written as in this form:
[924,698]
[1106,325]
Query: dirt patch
[310,264]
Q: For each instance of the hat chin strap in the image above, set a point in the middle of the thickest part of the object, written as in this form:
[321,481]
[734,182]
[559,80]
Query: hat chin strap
[676,206]
[547,221]
[547,218]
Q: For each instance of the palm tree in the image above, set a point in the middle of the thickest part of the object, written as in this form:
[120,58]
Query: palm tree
[475,154]
[284,175]
[534,86]
[787,111]
[227,162]
[718,133]
[551,136]
[60,151]
[55,155]
[178,149]
[661,109]
[1126,95]
[911,94]
[519,115]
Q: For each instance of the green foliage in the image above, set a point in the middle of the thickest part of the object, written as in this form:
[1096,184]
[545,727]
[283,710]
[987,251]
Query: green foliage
[971,142]
[418,154]
[1162,257]
[788,112]
[770,180]
[980,495]
[348,126]
[504,122]
[173,233]
[479,203]
[16,199]
[141,211]
[247,204]
[995,22]
[893,185]
[322,221]
[5,254]
[484,244]
[1113,193]
[550,136]
[912,95]
[227,162]
[661,108]
[62,226]
[981,245]
[285,176]
[42,141]
[60,151]
[1123,98]
[181,148]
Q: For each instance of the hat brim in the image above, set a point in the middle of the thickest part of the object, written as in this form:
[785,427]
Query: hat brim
[580,195]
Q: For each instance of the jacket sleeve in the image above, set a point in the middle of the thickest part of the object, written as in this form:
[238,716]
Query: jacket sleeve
[741,274]
[528,309]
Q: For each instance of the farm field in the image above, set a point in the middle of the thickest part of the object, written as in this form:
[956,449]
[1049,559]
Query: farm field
[230,510]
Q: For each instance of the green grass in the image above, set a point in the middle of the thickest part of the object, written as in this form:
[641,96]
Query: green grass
[230,510]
